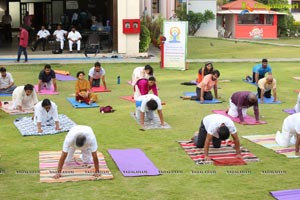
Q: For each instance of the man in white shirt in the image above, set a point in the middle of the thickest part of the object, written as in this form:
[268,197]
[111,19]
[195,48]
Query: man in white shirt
[215,128]
[83,138]
[60,35]
[74,37]
[290,133]
[145,107]
[96,74]
[24,97]
[265,85]
[6,82]
[44,113]
[42,36]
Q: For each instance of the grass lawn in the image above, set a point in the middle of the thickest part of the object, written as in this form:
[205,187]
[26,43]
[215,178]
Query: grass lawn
[288,41]
[218,48]
[119,131]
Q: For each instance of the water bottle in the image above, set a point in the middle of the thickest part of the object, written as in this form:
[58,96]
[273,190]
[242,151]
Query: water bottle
[118,80]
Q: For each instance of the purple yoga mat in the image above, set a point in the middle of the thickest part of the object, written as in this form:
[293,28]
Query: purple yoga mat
[61,77]
[248,119]
[133,162]
[289,111]
[45,91]
[286,194]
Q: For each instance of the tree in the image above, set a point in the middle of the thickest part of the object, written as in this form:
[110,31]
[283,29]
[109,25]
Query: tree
[195,19]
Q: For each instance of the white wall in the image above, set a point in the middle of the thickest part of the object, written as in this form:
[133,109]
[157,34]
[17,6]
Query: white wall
[229,24]
[209,29]
[128,43]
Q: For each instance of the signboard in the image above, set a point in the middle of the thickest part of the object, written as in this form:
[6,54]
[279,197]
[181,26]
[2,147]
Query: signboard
[175,45]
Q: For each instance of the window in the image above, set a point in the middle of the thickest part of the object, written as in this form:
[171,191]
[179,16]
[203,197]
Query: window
[251,19]
[155,6]
[295,6]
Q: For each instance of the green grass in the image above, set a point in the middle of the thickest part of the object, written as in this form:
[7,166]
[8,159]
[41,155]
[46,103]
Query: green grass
[119,131]
[288,41]
[202,48]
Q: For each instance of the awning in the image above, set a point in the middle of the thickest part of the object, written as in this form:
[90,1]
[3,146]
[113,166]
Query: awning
[265,12]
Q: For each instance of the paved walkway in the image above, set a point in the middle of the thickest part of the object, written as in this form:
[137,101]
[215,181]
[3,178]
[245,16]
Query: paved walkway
[8,57]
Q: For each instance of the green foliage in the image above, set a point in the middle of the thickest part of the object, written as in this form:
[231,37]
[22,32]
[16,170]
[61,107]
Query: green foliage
[144,39]
[155,27]
[195,19]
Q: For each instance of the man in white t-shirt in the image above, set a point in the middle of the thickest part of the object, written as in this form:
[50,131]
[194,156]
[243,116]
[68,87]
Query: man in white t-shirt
[96,74]
[290,133]
[215,128]
[45,112]
[60,35]
[83,138]
[6,82]
[297,106]
[24,97]
[74,37]
[145,107]
[42,36]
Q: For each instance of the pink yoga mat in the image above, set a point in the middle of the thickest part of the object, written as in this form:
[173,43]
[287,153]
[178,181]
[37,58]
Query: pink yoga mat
[248,119]
[45,91]
[99,89]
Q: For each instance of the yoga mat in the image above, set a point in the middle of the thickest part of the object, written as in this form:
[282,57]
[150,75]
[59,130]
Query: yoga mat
[297,91]
[250,82]
[229,161]
[26,126]
[286,194]
[133,162]
[61,77]
[153,124]
[100,89]
[72,172]
[248,119]
[269,100]
[9,110]
[45,91]
[225,151]
[5,95]
[269,142]
[214,101]
[296,78]
[76,104]
[289,111]
[128,98]
[61,72]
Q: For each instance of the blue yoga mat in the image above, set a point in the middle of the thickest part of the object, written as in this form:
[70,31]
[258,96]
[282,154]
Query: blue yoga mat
[76,104]
[270,101]
[133,162]
[250,82]
[5,95]
[214,101]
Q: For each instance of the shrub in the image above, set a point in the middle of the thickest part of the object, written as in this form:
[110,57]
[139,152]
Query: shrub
[144,39]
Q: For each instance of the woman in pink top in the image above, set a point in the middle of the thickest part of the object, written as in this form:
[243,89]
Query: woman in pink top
[23,43]
[203,89]
[143,87]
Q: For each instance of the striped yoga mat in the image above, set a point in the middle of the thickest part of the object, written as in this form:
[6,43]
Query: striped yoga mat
[269,142]
[226,151]
[73,172]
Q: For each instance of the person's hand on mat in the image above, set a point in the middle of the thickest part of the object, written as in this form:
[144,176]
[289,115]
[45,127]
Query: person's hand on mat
[97,174]
[40,130]
[20,108]
[57,128]
[258,122]
[201,99]
[207,158]
[239,156]
[297,153]
[57,176]
[243,122]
